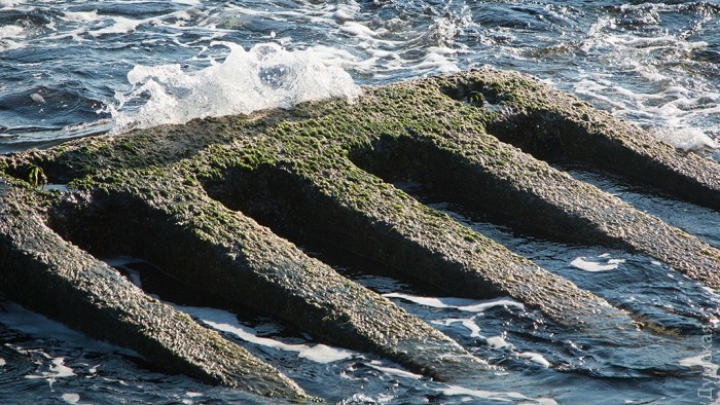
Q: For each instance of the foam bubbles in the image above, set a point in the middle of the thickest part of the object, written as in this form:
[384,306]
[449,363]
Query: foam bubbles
[266,76]
[80,16]
[702,363]
[72,398]
[462,304]
[227,322]
[469,323]
[120,25]
[394,371]
[687,139]
[512,397]
[535,358]
[9,37]
[10,31]
[596,264]
[57,369]
[498,342]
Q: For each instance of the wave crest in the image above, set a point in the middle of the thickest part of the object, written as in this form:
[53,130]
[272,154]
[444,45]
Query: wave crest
[266,76]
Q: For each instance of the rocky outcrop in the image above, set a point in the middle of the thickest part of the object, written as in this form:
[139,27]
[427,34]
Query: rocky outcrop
[191,199]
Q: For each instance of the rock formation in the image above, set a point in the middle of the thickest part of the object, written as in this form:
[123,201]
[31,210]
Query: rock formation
[191,200]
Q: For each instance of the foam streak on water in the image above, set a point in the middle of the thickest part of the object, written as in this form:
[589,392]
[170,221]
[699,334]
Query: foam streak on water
[601,263]
[227,322]
[458,303]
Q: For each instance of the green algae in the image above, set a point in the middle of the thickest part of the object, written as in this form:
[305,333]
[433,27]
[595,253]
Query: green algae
[324,170]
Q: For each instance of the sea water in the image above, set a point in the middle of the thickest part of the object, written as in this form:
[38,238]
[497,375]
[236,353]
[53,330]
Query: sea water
[70,69]
[73,68]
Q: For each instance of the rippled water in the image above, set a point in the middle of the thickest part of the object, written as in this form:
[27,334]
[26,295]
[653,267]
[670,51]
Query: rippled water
[73,68]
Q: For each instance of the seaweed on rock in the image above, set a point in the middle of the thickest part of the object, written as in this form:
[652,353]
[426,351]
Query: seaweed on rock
[191,199]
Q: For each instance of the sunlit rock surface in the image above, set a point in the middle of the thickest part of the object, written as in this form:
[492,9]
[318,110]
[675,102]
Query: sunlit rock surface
[220,204]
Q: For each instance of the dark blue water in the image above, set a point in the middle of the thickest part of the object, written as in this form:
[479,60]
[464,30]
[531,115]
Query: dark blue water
[73,68]
[69,69]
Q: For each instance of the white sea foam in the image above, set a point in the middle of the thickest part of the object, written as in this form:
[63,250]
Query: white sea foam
[11,31]
[57,369]
[266,76]
[36,97]
[714,295]
[120,25]
[461,304]
[474,306]
[651,93]
[498,342]
[361,398]
[535,357]
[227,322]
[438,59]
[10,35]
[468,323]
[596,89]
[123,261]
[345,12]
[596,264]
[9,3]
[394,371]
[686,139]
[360,30]
[454,390]
[80,16]
[72,398]
[705,363]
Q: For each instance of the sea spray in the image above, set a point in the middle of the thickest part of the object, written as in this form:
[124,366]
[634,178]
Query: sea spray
[266,76]
[687,139]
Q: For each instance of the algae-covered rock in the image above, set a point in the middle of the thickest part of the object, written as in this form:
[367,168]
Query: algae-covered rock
[191,199]
[51,276]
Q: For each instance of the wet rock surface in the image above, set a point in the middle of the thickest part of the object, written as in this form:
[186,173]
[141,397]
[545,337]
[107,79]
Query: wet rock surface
[220,204]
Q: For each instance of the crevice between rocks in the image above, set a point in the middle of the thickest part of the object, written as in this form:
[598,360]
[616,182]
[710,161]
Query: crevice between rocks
[270,197]
[291,207]
[248,263]
[293,204]
[562,130]
[112,227]
[445,172]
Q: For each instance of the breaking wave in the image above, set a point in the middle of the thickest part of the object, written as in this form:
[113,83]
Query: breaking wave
[265,76]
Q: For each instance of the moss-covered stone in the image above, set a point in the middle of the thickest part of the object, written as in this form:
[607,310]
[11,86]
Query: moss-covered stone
[204,244]
[51,276]
[187,199]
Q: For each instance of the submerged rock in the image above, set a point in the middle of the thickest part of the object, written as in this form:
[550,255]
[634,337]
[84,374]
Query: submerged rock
[190,199]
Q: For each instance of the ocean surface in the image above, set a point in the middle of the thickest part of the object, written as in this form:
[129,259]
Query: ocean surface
[70,69]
